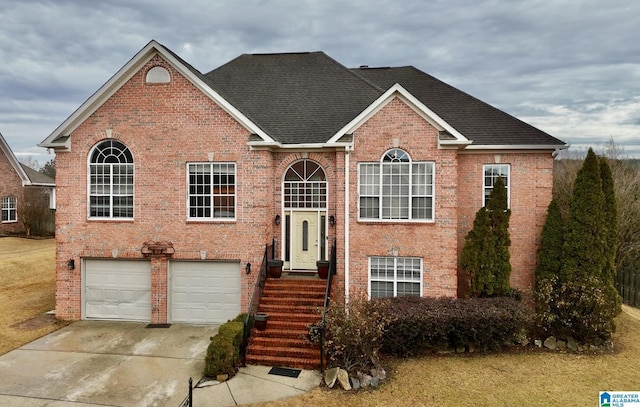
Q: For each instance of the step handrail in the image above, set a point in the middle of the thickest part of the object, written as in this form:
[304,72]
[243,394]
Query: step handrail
[256,296]
[327,297]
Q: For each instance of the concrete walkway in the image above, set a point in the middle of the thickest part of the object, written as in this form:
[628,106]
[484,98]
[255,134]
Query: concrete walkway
[254,384]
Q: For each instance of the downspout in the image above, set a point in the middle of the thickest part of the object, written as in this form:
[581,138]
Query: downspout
[346,224]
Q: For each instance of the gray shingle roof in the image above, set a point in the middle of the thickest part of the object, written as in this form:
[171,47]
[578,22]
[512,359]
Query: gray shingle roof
[301,98]
[295,98]
[36,177]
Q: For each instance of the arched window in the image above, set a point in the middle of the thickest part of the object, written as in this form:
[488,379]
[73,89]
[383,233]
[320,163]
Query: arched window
[396,188]
[305,186]
[111,181]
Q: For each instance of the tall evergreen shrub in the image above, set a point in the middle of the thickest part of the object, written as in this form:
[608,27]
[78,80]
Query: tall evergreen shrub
[485,254]
[582,299]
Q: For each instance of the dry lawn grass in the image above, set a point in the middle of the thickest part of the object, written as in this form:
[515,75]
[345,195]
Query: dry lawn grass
[537,378]
[27,283]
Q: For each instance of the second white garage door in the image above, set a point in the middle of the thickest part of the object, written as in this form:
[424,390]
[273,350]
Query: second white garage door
[204,292]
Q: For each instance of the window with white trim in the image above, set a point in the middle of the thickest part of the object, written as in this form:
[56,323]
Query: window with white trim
[9,209]
[491,173]
[395,276]
[396,188]
[111,181]
[211,191]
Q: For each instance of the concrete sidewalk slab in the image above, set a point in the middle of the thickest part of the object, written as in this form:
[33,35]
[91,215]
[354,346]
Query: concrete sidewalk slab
[254,384]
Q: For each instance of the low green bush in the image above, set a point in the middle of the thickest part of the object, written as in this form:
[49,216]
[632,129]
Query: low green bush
[223,353]
[419,325]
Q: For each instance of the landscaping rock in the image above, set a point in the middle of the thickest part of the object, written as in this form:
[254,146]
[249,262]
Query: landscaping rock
[573,344]
[375,382]
[460,349]
[222,377]
[330,376]
[365,380]
[472,347]
[355,383]
[379,373]
[550,343]
[538,343]
[561,345]
[343,379]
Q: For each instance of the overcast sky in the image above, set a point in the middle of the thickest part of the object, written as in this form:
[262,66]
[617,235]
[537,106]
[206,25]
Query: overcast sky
[570,68]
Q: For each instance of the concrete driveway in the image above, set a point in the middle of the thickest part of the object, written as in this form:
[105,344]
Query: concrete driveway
[92,363]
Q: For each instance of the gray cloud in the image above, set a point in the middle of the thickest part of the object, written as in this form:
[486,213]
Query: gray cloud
[571,68]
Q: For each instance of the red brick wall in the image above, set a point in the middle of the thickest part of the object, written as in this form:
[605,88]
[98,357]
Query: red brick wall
[165,126]
[531,188]
[10,185]
[435,242]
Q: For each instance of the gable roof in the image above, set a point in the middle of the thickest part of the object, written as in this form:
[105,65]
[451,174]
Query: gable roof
[310,100]
[59,139]
[478,121]
[27,175]
[297,98]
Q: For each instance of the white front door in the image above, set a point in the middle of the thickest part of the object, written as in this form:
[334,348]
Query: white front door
[304,240]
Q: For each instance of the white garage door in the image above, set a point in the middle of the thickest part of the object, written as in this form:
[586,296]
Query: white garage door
[204,292]
[117,289]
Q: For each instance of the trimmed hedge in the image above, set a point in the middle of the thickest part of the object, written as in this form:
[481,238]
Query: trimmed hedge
[223,353]
[419,325]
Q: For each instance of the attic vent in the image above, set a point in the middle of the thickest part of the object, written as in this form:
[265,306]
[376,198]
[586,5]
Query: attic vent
[158,74]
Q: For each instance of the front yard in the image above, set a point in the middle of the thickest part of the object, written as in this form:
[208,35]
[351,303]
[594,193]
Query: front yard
[27,281]
[535,378]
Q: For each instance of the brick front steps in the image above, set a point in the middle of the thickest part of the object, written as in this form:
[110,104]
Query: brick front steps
[292,304]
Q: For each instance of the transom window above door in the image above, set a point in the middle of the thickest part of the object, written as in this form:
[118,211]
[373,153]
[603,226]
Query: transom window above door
[305,186]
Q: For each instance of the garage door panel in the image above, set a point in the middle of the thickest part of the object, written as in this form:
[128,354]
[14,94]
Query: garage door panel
[204,292]
[118,289]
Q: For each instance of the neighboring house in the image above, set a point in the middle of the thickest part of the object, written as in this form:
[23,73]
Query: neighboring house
[18,185]
[171,182]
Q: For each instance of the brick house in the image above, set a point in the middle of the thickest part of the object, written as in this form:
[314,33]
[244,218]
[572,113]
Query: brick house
[18,183]
[171,182]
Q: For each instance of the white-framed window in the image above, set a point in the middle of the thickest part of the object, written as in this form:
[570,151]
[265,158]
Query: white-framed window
[395,276]
[110,181]
[396,189]
[211,191]
[491,172]
[9,209]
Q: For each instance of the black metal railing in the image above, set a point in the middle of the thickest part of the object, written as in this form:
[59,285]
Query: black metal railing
[269,252]
[188,401]
[327,298]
